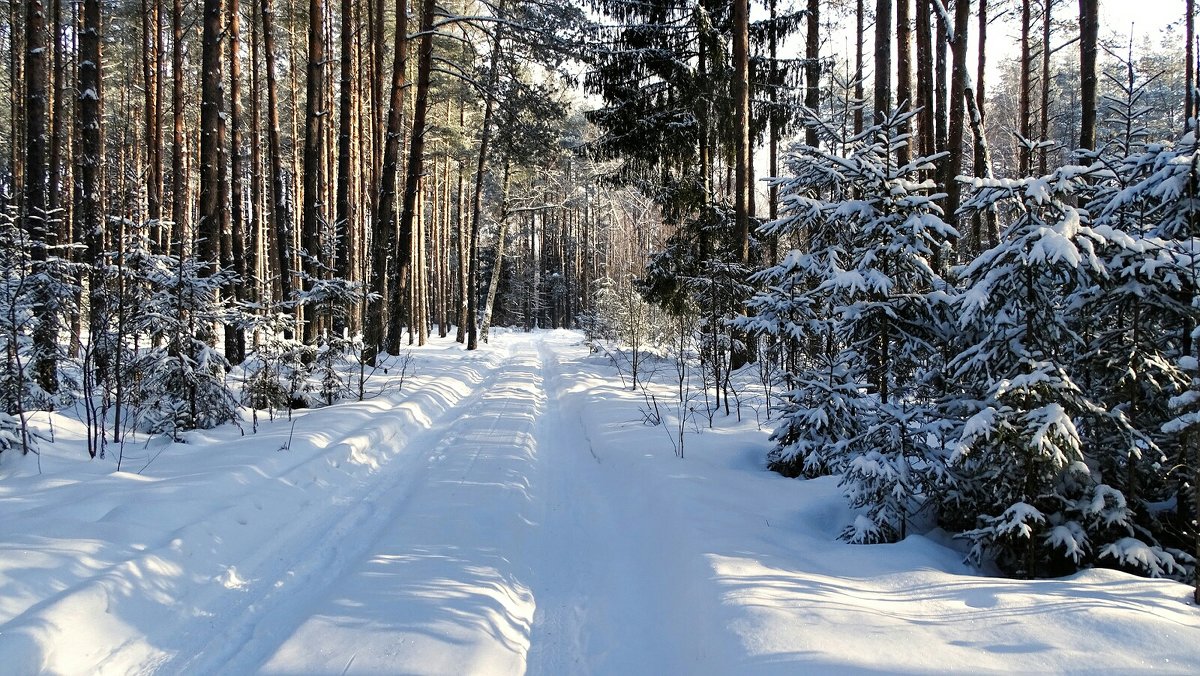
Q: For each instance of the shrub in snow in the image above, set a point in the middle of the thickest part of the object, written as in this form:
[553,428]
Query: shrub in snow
[1137,322]
[180,382]
[622,317]
[700,268]
[329,361]
[275,369]
[817,413]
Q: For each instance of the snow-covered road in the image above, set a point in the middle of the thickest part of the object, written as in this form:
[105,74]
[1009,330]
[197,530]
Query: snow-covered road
[515,551]
[508,512]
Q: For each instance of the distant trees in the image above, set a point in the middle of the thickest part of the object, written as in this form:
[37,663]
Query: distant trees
[337,201]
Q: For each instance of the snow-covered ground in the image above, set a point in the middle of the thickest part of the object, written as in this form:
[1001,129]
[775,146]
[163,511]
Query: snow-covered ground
[510,512]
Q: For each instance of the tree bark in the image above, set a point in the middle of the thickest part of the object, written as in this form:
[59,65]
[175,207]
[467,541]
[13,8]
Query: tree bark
[925,120]
[904,93]
[498,266]
[1025,103]
[37,186]
[211,141]
[375,336]
[314,120]
[812,66]
[1189,98]
[883,60]
[741,145]
[860,11]
[281,212]
[1089,29]
[958,89]
[344,215]
[150,81]
[235,339]
[485,139]
[416,160]
[1044,134]
[179,214]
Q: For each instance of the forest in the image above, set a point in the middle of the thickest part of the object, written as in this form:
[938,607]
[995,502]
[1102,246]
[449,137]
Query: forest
[955,240]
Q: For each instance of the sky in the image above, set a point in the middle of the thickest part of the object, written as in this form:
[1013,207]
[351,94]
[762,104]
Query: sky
[1146,16]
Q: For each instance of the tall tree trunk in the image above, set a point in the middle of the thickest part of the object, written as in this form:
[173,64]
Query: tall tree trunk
[498,266]
[37,185]
[90,195]
[256,266]
[314,120]
[860,12]
[985,224]
[485,139]
[280,212]
[773,143]
[58,114]
[1044,133]
[1089,29]
[883,59]
[211,142]
[464,240]
[741,145]
[235,338]
[1189,98]
[150,81]
[16,102]
[904,93]
[958,90]
[941,97]
[925,78]
[179,214]
[1025,96]
[416,160]
[344,216]
[385,241]
[812,65]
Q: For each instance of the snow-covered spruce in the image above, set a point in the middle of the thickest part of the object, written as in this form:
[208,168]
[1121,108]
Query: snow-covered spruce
[1018,461]
[866,295]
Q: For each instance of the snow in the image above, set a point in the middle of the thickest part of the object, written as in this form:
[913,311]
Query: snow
[509,512]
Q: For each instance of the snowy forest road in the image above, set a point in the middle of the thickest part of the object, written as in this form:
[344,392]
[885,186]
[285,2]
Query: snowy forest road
[514,551]
[511,511]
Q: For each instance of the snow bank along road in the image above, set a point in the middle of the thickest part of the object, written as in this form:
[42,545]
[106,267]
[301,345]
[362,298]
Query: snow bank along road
[509,513]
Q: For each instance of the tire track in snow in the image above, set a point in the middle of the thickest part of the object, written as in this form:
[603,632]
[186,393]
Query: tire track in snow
[619,588]
[442,587]
[314,550]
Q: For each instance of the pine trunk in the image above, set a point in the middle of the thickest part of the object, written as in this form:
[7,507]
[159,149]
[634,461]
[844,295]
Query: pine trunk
[376,337]
[314,120]
[958,90]
[235,338]
[179,214]
[904,93]
[37,185]
[416,165]
[211,141]
[485,139]
[281,213]
[1089,29]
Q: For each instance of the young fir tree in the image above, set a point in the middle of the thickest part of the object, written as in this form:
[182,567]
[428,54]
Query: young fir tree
[893,304]
[868,296]
[1132,321]
[819,414]
[1172,188]
[180,380]
[1019,462]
